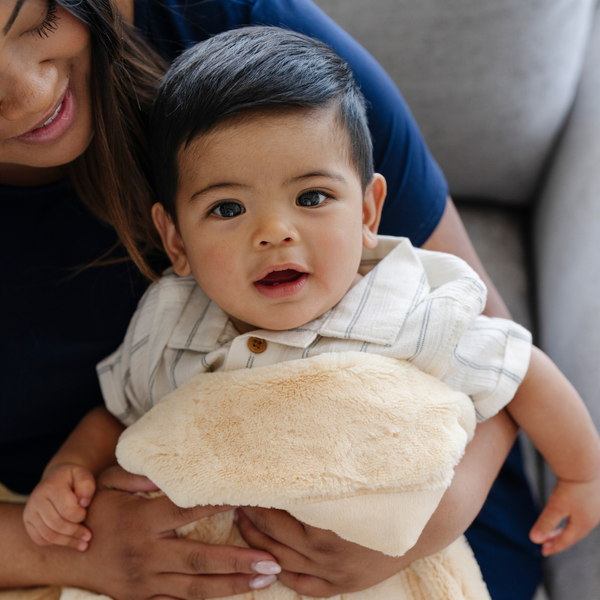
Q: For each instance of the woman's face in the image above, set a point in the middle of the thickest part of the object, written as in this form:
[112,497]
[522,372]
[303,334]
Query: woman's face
[45,103]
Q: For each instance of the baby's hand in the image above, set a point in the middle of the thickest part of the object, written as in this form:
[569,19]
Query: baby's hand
[579,504]
[57,506]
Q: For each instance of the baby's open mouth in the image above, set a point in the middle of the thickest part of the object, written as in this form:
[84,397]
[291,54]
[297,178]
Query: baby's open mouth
[276,277]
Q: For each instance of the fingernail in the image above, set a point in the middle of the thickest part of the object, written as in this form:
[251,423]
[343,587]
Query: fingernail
[266,567]
[84,502]
[262,581]
[554,534]
[86,536]
[82,547]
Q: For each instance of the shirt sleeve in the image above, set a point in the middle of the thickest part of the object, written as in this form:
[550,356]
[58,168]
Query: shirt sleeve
[417,190]
[489,363]
[123,375]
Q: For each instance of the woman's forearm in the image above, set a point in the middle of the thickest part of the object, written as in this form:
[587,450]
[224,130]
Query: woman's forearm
[451,236]
[23,563]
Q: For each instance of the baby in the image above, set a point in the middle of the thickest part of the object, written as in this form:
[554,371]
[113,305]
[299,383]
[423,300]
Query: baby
[269,214]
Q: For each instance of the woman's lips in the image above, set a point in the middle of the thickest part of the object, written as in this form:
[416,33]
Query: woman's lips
[280,284]
[55,125]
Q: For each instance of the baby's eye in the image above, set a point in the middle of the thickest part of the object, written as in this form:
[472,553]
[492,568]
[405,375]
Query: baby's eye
[228,210]
[311,198]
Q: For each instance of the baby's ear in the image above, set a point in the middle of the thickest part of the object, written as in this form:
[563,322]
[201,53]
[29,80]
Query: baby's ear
[172,242]
[372,207]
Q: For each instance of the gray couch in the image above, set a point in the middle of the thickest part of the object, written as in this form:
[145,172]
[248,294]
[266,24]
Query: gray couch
[507,95]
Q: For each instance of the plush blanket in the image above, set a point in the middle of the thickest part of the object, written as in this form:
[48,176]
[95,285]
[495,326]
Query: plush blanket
[355,443]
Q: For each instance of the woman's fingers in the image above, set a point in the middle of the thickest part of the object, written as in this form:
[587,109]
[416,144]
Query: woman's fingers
[116,478]
[276,531]
[168,516]
[185,587]
[288,557]
[195,558]
[315,562]
[135,552]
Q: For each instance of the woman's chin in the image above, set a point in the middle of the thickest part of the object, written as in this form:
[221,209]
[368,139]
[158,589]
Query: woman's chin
[37,165]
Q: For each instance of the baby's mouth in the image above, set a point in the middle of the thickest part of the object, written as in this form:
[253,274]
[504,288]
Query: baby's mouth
[277,277]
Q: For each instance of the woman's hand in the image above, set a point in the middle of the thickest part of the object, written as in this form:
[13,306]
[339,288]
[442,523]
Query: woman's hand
[318,563]
[315,562]
[135,553]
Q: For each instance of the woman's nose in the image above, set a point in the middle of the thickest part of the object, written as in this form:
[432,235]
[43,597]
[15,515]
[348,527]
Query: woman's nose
[27,90]
[274,231]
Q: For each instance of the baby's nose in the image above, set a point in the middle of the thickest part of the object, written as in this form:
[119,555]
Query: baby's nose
[275,231]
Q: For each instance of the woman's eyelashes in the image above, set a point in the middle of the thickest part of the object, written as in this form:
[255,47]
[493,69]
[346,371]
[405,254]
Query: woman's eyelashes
[227,210]
[312,198]
[50,22]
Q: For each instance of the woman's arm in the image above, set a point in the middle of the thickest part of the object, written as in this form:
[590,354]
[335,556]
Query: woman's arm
[134,554]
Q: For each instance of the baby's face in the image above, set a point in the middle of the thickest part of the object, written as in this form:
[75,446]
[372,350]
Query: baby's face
[271,218]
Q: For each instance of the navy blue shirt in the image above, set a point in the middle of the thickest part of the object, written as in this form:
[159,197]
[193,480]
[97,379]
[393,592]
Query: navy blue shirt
[59,320]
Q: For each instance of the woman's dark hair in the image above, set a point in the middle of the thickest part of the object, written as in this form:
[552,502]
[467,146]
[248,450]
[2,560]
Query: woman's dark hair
[110,176]
[251,69]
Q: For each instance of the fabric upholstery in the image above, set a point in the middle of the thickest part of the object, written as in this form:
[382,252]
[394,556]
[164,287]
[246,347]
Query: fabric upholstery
[567,243]
[490,83]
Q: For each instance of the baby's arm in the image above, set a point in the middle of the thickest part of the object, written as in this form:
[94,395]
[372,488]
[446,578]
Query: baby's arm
[553,415]
[57,505]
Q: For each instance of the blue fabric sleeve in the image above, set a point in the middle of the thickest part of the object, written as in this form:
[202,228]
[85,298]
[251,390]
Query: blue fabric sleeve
[417,189]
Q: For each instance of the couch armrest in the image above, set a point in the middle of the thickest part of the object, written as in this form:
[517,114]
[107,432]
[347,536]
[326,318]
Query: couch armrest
[567,250]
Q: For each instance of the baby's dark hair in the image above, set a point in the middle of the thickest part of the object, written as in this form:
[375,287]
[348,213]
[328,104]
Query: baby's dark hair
[248,70]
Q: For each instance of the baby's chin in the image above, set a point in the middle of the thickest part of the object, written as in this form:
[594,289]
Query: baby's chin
[288,319]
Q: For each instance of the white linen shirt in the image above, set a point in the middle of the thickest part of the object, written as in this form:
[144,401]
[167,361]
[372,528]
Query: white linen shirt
[411,304]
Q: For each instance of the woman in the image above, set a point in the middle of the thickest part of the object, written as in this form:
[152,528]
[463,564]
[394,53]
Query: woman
[76,82]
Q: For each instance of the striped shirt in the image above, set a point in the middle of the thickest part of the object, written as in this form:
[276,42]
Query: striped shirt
[411,304]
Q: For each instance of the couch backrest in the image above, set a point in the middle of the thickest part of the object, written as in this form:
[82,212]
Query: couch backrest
[490,81]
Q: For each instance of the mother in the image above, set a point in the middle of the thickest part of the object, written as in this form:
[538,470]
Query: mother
[76,82]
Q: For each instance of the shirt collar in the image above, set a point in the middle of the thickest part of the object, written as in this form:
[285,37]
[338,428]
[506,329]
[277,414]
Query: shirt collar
[375,309]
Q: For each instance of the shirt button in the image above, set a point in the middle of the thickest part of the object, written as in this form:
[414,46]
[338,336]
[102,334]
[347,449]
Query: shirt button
[257,345]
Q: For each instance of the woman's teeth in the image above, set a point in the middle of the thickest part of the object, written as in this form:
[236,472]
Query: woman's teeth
[52,117]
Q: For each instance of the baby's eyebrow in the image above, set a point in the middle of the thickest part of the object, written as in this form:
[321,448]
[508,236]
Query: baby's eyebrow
[326,174]
[216,186]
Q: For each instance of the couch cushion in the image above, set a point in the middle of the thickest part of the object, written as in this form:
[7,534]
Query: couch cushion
[498,237]
[490,82]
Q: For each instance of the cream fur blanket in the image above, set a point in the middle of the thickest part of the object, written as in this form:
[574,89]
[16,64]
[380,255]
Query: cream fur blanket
[355,443]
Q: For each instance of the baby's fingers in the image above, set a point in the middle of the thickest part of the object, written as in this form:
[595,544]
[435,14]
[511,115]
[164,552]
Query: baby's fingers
[47,527]
[577,527]
[47,536]
[56,525]
[84,486]
[547,525]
